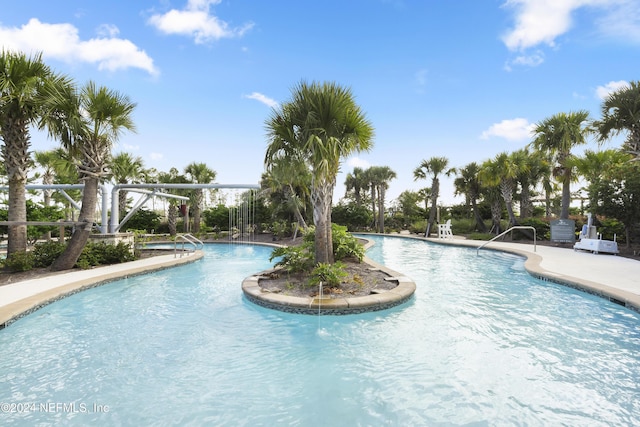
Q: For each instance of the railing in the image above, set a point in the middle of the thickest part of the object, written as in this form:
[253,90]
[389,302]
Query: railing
[505,232]
[187,238]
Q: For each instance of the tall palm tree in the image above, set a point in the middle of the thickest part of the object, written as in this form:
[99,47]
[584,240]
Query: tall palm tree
[322,124]
[356,182]
[172,177]
[370,184]
[380,177]
[88,123]
[198,173]
[467,183]
[621,113]
[502,171]
[22,101]
[126,169]
[433,167]
[556,136]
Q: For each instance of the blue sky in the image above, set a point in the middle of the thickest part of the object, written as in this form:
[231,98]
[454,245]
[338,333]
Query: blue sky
[464,79]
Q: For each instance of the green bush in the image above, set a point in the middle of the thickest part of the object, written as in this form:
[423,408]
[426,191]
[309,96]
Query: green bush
[294,259]
[328,274]
[143,219]
[46,252]
[19,261]
[345,245]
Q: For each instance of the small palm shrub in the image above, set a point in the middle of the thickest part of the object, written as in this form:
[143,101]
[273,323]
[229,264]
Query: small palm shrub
[328,274]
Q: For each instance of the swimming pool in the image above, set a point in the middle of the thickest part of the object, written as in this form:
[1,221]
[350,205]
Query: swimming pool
[481,343]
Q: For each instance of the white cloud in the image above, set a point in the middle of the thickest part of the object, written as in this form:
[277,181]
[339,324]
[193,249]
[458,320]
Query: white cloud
[603,91]
[62,42]
[541,22]
[356,162]
[518,129]
[262,98]
[128,147]
[196,21]
[531,60]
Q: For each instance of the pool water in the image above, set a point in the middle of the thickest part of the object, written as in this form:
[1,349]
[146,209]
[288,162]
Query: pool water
[481,343]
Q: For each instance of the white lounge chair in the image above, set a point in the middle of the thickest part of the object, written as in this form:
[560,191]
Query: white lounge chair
[444,230]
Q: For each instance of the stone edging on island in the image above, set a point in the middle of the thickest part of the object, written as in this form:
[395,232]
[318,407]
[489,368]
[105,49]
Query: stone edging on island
[332,306]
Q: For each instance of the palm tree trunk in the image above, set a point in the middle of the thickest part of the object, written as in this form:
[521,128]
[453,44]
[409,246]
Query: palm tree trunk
[172,215]
[81,233]
[17,234]
[435,189]
[480,226]
[321,199]
[381,209]
[566,196]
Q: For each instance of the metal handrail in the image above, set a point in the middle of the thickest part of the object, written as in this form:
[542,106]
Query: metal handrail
[505,232]
[189,238]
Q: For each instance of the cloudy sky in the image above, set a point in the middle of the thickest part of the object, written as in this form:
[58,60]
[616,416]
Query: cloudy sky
[463,79]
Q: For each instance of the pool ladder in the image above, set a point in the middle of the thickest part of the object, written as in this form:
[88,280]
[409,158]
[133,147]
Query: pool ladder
[191,240]
[505,232]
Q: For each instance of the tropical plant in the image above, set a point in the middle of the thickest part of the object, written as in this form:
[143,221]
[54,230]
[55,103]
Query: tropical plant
[379,177]
[593,166]
[198,173]
[323,125]
[126,169]
[87,123]
[557,136]
[23,100]
[291,177]
[172,177]
[502,171]
[621,113]
[355,183]
[467,183]
[433,167]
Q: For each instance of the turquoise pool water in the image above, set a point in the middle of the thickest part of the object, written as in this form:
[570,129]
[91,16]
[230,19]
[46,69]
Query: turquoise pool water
[481,343]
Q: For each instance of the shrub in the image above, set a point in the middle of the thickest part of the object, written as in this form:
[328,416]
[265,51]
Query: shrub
[143,219]
[46,252]
[345,245]
[294,259]
[328,274]
[19,261]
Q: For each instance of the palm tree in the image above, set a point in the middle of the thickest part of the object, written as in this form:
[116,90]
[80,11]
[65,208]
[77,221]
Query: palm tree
[468,184]
[433,167]
[322,124]
[88,123]
[502,171]
[126,169]
[356,182]
[172,177]
[23,98]
[51,162]
[621,113]
[593,167]
[556,136]
[198,173]
[292,177]
[370,184]
[380,177]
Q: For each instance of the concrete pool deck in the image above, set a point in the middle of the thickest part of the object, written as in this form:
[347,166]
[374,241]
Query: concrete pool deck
[612,277]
